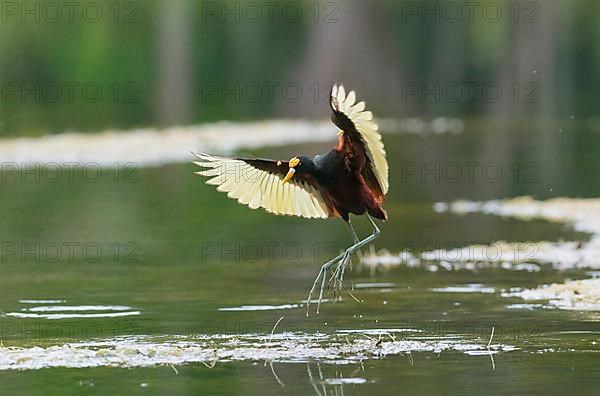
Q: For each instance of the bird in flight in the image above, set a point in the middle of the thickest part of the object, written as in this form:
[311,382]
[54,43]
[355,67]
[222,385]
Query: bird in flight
[352,178]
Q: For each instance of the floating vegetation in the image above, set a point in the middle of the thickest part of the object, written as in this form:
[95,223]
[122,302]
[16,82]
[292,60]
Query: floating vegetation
[581,214]
[144,351]
[582,295]
[153,147]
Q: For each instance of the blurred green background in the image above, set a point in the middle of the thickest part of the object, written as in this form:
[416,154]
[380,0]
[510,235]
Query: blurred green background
[94,65]
[520,77]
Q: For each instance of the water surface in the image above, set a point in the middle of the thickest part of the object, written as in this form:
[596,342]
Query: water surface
[165,260]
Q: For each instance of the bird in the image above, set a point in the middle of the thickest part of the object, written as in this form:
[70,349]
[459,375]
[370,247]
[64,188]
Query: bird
[350,179]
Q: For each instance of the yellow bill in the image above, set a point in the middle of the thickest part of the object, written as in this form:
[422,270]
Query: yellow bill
[289,175]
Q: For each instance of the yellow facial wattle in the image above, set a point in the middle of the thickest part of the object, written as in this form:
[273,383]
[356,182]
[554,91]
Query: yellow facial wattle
[294,162]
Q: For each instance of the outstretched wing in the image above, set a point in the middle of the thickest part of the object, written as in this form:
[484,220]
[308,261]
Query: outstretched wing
[361,137]
[258,183]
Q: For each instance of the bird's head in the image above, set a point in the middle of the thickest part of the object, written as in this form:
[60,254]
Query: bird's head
[298,164]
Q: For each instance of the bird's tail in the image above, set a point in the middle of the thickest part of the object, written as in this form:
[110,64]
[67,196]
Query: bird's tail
[379,213]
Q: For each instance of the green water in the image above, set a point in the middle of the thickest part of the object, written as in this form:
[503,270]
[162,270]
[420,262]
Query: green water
[173,249]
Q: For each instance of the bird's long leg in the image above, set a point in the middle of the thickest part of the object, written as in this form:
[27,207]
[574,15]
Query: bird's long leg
[338,275]
[322,273]
[356,240]
[344,256]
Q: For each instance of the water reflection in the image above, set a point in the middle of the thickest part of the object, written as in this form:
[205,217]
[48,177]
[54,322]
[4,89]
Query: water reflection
[333,385]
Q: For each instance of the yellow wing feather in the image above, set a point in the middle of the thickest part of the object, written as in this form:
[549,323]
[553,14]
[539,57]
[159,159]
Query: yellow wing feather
[258,188]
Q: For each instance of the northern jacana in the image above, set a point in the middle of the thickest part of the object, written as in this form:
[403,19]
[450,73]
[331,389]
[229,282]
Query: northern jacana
[352,178]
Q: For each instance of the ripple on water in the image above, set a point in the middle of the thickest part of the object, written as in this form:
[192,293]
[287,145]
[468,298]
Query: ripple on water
[23,315]
[260,307]
[374,285]
[55,312]
[63,308]
[378,331]
[469,288]
[528,307]
[42,301]
[345,381]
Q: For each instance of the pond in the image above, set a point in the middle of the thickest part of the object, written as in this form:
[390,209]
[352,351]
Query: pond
[149,281]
